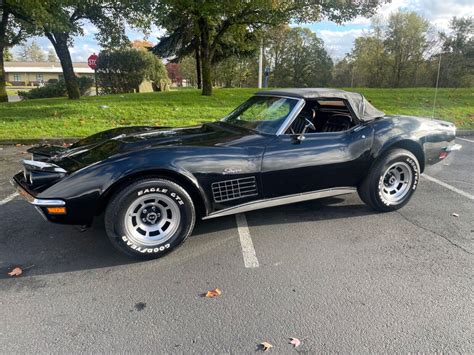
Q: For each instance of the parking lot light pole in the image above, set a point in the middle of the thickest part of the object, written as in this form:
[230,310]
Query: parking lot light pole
[260,66]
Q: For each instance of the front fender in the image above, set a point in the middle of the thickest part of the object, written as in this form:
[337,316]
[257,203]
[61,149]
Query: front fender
[84,189]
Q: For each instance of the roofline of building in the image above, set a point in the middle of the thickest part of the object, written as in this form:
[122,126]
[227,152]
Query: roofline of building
[44,67]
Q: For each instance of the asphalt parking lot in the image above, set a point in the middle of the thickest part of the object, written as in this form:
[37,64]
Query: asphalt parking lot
[331,272]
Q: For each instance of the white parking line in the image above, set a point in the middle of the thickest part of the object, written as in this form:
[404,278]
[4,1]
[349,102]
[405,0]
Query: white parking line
[452,188]
[248,252]
[464,139]
[8,198]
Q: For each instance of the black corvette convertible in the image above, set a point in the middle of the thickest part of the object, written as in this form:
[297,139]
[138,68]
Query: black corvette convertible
[279,147]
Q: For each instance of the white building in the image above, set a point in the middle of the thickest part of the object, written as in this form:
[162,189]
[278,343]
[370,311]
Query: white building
[33,73]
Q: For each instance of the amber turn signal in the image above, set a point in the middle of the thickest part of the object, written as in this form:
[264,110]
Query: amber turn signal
[56,210]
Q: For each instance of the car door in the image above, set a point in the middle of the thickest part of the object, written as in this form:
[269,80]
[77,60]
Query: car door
[320,161]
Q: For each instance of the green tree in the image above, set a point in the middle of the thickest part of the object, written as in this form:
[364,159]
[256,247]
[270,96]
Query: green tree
[11,33]
[212,19]
[67,19]
[123,70]
[31,52]
[276,40]
[107,16]
[406,42]
[52,57]
[370,59]
[16,25]
[181,41]
[156,71]
[184,41]
[457,57]
[235,71]
[297,58]
[187,68]
[342,73]
[7,56]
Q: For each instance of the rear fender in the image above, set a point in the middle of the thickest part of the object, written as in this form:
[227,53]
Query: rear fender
[410,144]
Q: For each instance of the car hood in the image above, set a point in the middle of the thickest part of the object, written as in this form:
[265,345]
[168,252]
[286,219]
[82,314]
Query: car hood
[107,144]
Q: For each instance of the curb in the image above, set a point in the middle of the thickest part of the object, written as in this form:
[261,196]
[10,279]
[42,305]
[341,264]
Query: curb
[51,141]
[465,132]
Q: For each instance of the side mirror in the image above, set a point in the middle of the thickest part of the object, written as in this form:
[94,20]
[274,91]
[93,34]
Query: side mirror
[309,124]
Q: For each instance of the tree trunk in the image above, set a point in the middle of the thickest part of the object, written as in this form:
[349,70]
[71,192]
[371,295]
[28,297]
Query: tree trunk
[3,40]
[205,58]
[3,88]
[59,42]
[198,67]
[206,76]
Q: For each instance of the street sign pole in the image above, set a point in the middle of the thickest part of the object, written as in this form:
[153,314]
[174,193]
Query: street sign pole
[260,66]
[91,61]
[95,79]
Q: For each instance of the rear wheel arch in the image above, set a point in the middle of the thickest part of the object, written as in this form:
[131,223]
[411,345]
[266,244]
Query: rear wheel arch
[194,192]
[412,146]
[391,181]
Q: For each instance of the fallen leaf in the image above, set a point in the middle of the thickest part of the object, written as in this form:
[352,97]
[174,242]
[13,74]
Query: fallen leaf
[213,293]
[295,342]
[266,346]
[455,215]
[15,272]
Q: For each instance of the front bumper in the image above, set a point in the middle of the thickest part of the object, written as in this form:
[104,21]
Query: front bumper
[55,210]
[32,199]
[43,206]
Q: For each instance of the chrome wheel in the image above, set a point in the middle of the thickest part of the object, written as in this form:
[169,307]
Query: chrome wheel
[396,183]
[152,219]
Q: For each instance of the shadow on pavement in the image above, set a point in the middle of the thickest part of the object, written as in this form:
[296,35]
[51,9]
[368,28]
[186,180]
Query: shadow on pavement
[45,248]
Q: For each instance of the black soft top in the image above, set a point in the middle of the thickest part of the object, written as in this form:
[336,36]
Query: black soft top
[362,108]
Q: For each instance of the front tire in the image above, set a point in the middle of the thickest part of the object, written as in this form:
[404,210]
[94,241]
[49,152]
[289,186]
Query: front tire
[149,218]
[391,182]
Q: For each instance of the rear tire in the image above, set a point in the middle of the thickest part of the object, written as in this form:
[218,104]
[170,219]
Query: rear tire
[149,218]
[391,181]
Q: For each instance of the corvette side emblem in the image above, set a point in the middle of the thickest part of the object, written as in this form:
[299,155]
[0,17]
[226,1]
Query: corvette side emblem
[228,171]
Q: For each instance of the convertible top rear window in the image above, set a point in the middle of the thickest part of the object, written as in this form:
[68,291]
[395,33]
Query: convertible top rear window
[264,114]
[331,103]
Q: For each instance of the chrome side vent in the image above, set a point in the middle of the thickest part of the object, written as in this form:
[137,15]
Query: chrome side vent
[234,189]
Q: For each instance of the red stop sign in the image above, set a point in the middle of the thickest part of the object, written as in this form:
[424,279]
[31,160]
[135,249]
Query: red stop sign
[91,61]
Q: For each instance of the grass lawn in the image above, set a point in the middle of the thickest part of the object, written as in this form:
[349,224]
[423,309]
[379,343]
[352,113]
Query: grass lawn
[60,117]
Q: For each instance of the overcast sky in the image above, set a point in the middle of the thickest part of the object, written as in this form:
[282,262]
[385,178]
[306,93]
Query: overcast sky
[338,39]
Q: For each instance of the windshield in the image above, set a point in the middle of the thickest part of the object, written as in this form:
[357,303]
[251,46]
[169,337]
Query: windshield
[265,114]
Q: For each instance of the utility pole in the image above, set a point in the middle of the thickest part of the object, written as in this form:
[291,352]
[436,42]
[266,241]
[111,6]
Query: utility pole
[436,89]
[260,66]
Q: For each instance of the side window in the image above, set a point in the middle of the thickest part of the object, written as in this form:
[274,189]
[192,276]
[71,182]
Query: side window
[327,115]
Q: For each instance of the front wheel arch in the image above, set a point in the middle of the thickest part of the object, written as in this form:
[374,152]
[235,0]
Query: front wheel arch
[198,197]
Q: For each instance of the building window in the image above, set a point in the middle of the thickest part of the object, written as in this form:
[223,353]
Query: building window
[16,77]
[39,77]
